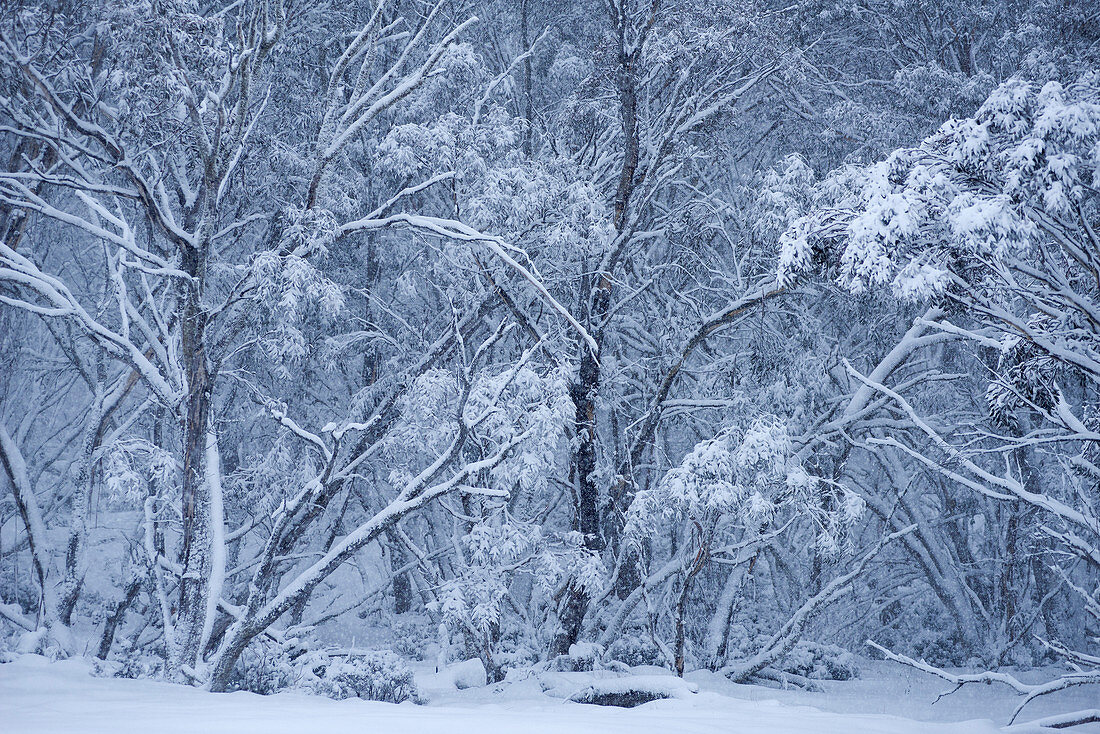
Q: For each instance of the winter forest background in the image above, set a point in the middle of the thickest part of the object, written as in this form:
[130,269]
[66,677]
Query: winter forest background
[571,335]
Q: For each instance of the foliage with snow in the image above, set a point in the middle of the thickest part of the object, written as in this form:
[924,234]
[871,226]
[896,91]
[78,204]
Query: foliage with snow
[726,340]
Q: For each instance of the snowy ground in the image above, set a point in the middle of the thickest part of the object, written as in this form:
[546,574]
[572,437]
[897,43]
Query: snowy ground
[38,697]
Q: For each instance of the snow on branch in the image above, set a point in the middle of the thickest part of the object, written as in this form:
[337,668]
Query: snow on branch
[1030,691]
[453,229]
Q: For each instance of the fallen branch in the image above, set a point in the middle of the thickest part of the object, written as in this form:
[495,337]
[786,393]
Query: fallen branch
[1030,691]
[1059,721]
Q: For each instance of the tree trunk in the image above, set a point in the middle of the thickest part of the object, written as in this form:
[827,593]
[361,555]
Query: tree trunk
[402,586]
[195,541]
[586,389]
[78,524]
[110,626]
[586,515]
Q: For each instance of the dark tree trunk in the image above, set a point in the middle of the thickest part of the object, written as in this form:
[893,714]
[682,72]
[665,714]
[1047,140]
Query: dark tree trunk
[528,100]
[402,585]
[586,389]
[194,502]
[586,511]
[110,626]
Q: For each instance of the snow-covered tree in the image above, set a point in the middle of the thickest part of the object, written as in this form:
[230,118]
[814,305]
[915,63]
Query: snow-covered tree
[995,216]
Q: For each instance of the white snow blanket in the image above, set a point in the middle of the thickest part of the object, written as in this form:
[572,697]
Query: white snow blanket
[38,697]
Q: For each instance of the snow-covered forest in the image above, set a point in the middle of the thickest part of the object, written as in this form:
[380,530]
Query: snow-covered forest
[354,348]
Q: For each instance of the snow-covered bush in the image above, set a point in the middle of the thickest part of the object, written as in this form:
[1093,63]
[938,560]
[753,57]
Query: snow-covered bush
[943,648]
[375,675]
[412,637]
[634,647]
[818,661]
[263,668]
[140,665]
[517,647]
[582,657]
[34,642]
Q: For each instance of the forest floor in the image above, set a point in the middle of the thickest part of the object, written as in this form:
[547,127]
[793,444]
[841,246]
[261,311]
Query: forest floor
[39,697]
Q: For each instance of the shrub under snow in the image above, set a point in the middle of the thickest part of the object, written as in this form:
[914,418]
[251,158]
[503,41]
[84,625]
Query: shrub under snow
[376,675]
